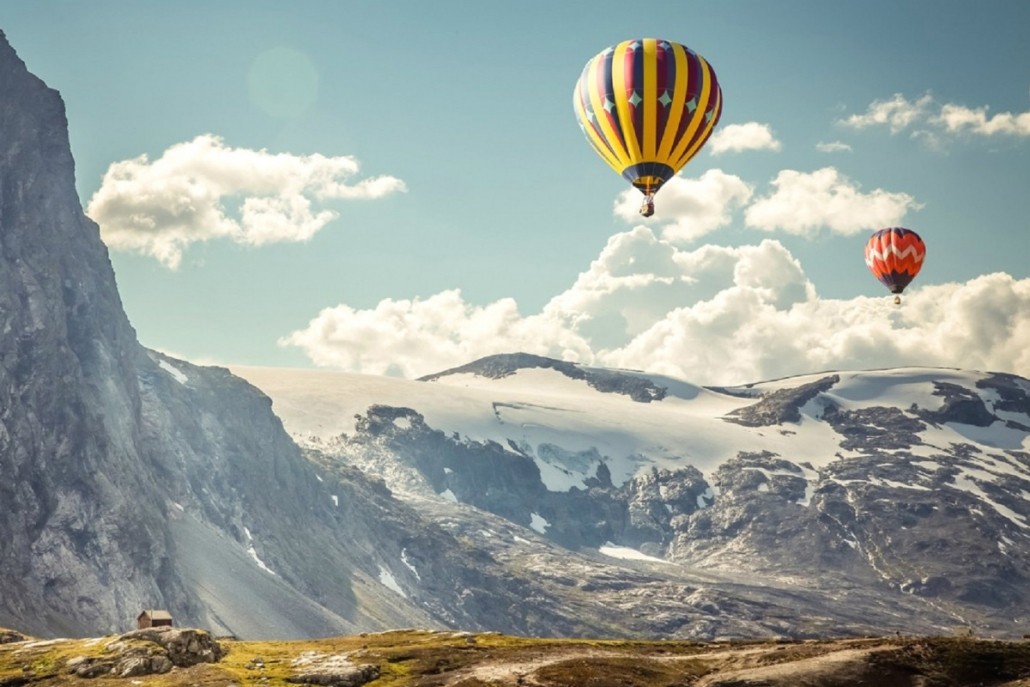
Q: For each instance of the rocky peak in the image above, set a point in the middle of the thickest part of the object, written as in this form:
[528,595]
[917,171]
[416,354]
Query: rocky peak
[637,386]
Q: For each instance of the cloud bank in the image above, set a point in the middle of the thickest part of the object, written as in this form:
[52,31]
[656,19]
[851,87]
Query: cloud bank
[203,190]
[930,119]
[714,315]
[800,203]
[804,203]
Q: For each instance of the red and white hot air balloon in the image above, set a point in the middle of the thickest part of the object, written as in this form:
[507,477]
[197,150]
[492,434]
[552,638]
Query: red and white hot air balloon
[895,256]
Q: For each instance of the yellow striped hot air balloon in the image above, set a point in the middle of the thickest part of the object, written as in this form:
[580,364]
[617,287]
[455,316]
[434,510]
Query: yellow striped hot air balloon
[647,106]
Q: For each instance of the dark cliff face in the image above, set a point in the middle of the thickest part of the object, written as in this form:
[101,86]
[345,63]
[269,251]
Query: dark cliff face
[69,406]
[129,480]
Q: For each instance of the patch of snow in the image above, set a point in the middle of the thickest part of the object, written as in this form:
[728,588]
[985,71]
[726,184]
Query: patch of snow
[177,374]
[567,427]
[901,387]
[998,435]
[557,477]
[969,480]
[448,495]
[405,561]
[402,422]
[390,582]
[336,500]
[898,485]
[704,498]
[991,398]
[253,553]
[763,487]
[927,465]
[538,523]
[626,553]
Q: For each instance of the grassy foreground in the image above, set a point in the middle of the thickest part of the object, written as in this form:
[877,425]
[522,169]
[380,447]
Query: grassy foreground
[413,658]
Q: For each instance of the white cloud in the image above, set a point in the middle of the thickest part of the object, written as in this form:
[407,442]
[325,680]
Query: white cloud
[832,147]
[738,337]
[898,113]
[804,203]
[689,208]
[411,338]
[930,120]
[956,118]
[714,315]
[738,137]
[203,189]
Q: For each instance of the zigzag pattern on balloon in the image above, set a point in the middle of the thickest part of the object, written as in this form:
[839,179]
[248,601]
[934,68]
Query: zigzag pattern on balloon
[912,251]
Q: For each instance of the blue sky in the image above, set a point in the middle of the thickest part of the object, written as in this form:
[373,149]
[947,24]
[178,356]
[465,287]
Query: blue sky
[399,187]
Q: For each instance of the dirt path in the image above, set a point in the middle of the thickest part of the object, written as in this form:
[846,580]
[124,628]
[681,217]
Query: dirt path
[737,667]
[841,667]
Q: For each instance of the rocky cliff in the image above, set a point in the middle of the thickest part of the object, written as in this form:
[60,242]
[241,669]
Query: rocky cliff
[837,503]
[129,480]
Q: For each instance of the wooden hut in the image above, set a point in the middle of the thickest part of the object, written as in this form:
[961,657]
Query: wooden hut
[154,618]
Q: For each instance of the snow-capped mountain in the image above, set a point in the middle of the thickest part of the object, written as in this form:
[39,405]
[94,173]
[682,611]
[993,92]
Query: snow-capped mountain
[898,498]
[516,494]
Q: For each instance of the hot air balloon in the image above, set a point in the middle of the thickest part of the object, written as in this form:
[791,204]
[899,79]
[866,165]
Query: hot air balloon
[895,256]
[647,106]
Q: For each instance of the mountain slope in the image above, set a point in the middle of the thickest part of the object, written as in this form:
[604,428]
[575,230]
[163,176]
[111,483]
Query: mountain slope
[895,497]
[129,480]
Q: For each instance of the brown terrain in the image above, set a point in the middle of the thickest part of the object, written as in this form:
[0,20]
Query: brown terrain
[410,658]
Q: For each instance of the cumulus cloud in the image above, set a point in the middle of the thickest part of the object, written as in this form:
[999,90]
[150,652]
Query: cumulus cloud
[411,338]
[832,147]
[687,209]
[956,118]
[805,203]
[897,113]
[738,337]
[929,119]
[714,315]
[738,137]
[203,189]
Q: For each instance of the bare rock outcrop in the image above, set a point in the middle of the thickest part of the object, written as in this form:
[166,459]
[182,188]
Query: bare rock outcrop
[148,652]
[333,670]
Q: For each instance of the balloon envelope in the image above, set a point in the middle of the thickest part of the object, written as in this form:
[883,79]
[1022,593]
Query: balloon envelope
[647,106]
[895,256]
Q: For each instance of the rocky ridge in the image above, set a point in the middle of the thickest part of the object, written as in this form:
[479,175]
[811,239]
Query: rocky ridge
[132,480]
[856,508]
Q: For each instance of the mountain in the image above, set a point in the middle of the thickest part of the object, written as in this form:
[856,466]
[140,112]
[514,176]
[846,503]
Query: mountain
[129,480]
[841,502]
[515,494]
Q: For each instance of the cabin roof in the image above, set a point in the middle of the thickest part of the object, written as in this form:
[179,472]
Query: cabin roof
[156,614]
